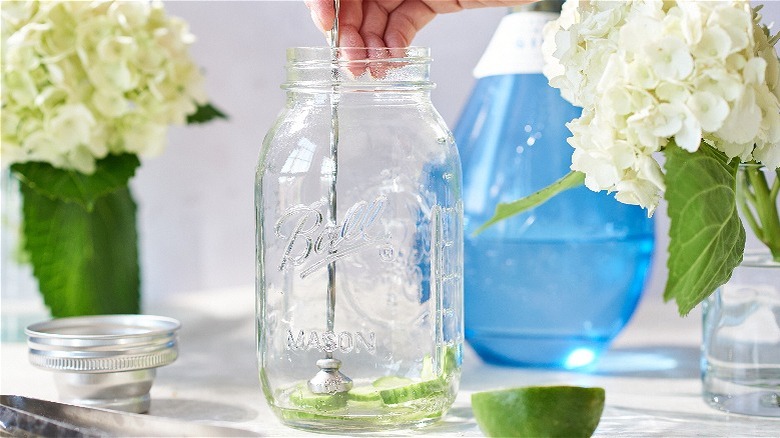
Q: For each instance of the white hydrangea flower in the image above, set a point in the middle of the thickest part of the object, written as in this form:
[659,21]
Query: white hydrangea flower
[650,71]
[84,79]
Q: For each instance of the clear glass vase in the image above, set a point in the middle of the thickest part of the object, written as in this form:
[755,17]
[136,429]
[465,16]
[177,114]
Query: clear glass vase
[359,245]
[741,326]
[21,304]
[553,286]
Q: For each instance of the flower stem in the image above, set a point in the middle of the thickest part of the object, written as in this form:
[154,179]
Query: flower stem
[505,210]
[766,221]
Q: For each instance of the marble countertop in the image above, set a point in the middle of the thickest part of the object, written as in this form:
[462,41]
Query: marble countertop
[650,373]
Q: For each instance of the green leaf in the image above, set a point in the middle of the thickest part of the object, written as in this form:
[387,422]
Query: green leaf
[506,210]
[111,173]
[706,235]
[86,261]
[205,113]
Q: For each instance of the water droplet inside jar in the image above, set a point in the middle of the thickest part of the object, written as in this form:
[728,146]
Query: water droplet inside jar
[387,253]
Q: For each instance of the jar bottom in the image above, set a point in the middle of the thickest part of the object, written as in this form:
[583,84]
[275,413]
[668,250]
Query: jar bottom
[365,411]
[758,396]
[762,403]
[355,423]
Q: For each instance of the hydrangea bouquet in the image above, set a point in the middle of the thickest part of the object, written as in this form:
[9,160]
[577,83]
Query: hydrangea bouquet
[88,87]
[694,82]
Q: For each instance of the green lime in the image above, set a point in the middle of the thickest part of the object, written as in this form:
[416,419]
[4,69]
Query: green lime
[539,411]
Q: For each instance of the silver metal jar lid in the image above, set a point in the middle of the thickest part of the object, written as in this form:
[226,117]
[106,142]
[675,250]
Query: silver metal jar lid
[104,343]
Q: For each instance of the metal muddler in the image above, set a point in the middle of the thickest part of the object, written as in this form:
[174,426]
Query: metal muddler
[329,380]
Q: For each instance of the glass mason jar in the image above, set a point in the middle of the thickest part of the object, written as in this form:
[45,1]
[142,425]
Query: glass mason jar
[741,332]
[359,245]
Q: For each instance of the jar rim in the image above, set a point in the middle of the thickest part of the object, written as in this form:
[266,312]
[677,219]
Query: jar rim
[386,54]
[323,69]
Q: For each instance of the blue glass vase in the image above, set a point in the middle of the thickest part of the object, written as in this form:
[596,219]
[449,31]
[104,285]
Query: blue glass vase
[553,286]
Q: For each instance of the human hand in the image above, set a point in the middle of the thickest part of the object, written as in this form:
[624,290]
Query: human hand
[387,23]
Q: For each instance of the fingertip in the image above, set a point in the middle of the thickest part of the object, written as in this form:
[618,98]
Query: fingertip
[350,37]
[398,40]
[404,22]
[353,50]
[322,13]
[373,42]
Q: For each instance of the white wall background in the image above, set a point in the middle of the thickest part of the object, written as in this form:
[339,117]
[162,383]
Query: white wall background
[196,214]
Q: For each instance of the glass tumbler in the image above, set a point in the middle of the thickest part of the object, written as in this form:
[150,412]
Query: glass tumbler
[359,245]
[741,331]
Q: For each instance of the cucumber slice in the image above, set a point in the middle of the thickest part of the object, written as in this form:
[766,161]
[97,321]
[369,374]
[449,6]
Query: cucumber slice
[288,414]
[413,391]
[395,389]
[364,393]
[391,382]
[427,372]
[539,411]
[450,360]
[302,397]
[449,363]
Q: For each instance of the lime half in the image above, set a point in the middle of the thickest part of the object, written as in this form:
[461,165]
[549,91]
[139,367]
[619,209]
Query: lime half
[539,411]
